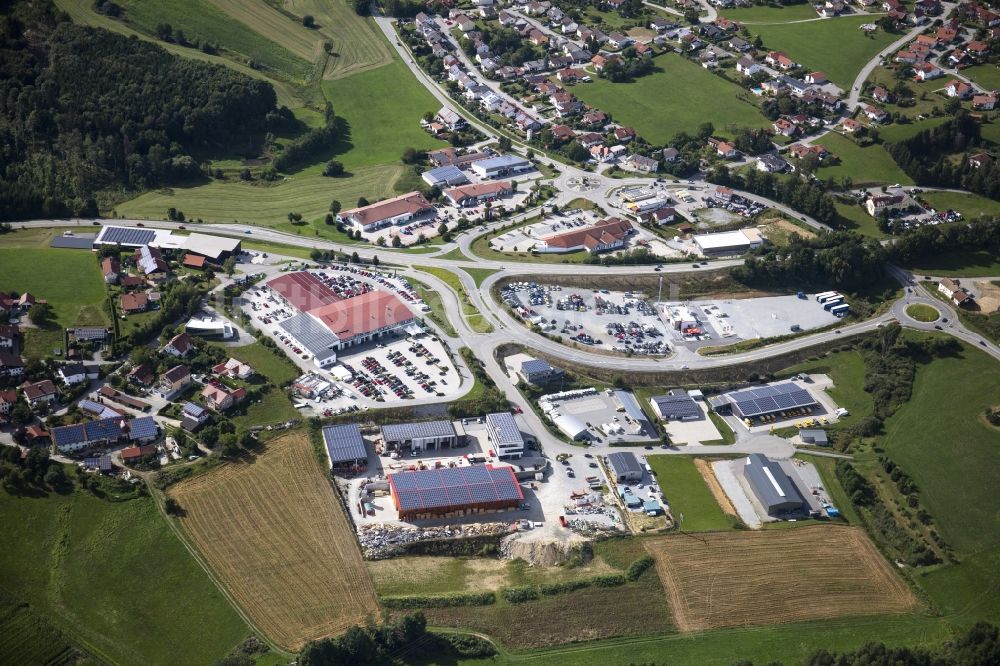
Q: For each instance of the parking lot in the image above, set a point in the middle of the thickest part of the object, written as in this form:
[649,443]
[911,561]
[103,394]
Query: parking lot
[615,321]
[522,239]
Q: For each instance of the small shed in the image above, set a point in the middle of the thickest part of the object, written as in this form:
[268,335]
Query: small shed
[815,436]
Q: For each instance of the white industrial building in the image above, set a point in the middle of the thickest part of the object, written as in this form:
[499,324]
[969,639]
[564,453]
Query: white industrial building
[728,243]
[502,166]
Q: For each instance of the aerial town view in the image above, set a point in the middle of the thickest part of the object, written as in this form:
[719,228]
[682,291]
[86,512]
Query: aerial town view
[475,332]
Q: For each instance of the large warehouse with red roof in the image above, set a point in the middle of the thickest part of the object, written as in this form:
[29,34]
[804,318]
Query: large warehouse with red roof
[327,322]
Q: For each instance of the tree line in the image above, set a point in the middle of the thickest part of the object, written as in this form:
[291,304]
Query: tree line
[85,110]
[924,157]
[934,240]
[807,197]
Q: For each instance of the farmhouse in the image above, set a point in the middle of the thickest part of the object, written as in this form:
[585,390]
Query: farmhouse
[762,401]
[604,236]
[472,195]
[150,261]
[625,467]
[345,448]
[771,486]
[104,432]
[134,454]
[422,436]
[75,373]
[11,365]
[397,210]
[728,243]
[676,406]
[456,491]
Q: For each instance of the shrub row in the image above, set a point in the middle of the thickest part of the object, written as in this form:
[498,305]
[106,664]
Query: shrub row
[517,595]
[440,601]
[639,567]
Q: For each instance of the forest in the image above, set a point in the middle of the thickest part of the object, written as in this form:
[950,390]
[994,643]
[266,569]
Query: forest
[86,114]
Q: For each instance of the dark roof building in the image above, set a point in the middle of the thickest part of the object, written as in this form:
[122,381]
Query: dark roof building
[80,436]
[625,467]
[676,406]
[345,447]
[765,400]
[454,491]
[772,487]
[538,372]
[425,435]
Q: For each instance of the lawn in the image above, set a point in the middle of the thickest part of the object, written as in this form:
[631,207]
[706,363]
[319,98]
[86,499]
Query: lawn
[480,274]
[836,47]
[384,120]
[900,132]
[922,312]
[271,364]
[480,247]
[453,281]
[847,371]
[71,282]
[769,14]
[115,579]
[690,500]
[358,44]
[870,165]
[854,218]
[987,76]
[968,204]
[273,407]
[981,263]
[679,97]
[289,58]
[29,639]
[437,314]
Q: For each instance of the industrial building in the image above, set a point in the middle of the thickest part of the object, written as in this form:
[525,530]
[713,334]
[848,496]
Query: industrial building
[445,176]
[345,448]
[474,194]
[214,248]
[505,435]
[728,243]
[422,436]
[625,467]
[816,436]
[773,488]
[502,166]
[327,323]
[454,491]
[538,372]
[571,425]
[763,401]
[397,210]
[676,406]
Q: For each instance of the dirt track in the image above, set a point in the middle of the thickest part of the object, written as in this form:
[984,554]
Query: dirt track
[705,469]
[774,576]
[274,533]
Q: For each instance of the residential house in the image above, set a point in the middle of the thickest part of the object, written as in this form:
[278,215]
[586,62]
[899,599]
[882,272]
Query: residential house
[11,365]
[465,24]
[562,132]
[111,268]
[174,380]
[10,336]
[925,71]
[594,118]
[133,302]
[150,262]
[135,454]
[770,163]
[660,24]
[538,38]
[220,397]
[142,375]
[946,35]
[878,204]
[780,60]
[193,416]
[671,154]
[664,215]
[723,148]
[74,373]
[233,369]
[816,78]
[977,49]
[876,114]
[802,151]
[986,101]
[39,393]
[8,398]
[739,44]
[624,134]
[747,67]
[180,345]
[959,89]
[590,140]
[785,127]
[642,163]
[850,125]
[880,94]
[949,286]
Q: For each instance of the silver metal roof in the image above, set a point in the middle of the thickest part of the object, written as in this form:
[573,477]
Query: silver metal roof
[316,337]
[402,432]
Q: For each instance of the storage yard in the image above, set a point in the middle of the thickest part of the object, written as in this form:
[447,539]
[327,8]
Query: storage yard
[274,533]
[588,414]
[728,579]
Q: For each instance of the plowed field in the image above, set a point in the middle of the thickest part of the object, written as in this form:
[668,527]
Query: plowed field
[726,579]
[274,533]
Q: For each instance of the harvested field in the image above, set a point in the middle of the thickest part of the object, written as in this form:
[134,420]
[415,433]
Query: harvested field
[275,535]
[989,296]
[705,469]
[775,576]
[778,230]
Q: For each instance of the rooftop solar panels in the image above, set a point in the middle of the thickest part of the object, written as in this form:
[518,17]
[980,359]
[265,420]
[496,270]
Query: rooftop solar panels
[503,429]
[142,428]
[67,436]
[681,407]
[450,489]
[316,337]
[130,236]
[73,242]
[344,444]
[768,399]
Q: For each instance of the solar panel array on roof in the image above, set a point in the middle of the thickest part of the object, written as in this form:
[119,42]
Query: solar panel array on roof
[127,236]
[90,333]
[147,261]
[73,242]
[102,463]
[503,428]
[768,399]
[316,337]
[344,443]
[100,431]
[69,435]
[679,407]
[402,432]
[454,488]
[141,428]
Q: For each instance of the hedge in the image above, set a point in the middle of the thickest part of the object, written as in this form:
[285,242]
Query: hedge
[439,601]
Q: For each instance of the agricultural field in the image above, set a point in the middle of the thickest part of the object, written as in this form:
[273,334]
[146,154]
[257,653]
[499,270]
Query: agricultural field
[274,533]
[835,46]
[870,165]
[358,44]
[106,574]
[29,639]
[654,106]
[730,579]
[72,282]
[688,495]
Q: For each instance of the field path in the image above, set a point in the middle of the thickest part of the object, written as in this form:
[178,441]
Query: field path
[275,534]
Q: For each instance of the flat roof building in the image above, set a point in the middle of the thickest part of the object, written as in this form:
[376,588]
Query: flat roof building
[538,372]
[345,447]
[815,436]
[676,407]
[728,242]
[625,467]
[422,436]
[772,487]
[501,166]
[445,176]
[765,400]
[505,435]
[454,491]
